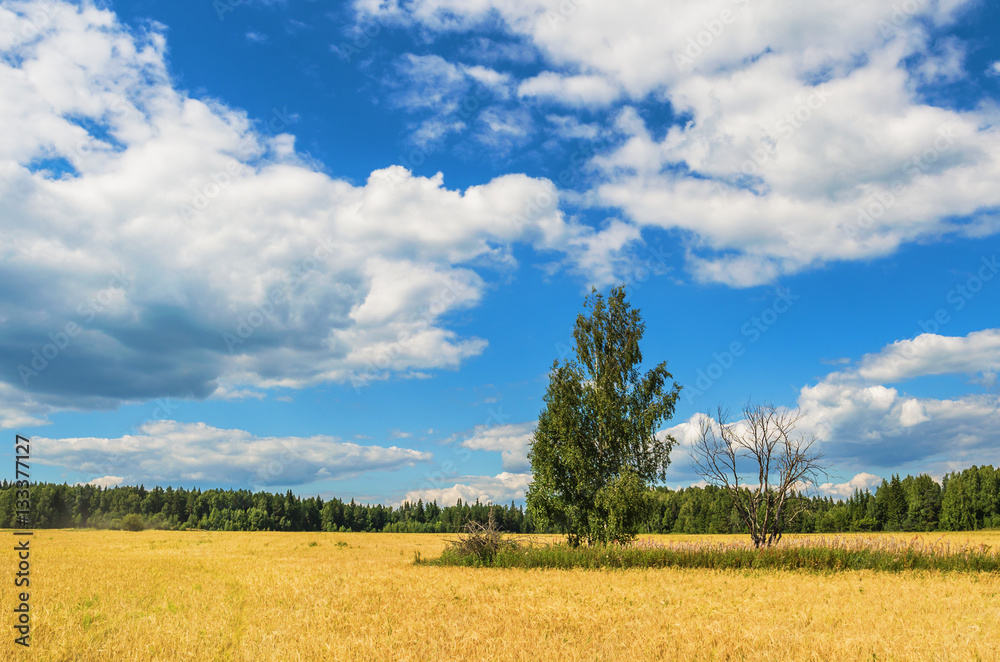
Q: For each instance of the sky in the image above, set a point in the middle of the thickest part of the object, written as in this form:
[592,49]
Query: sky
[336,247]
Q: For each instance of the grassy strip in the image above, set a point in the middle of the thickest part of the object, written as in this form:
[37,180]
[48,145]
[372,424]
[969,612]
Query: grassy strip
[815,558]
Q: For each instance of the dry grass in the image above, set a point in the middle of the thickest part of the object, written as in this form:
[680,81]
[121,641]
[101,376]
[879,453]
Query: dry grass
[930,544]
[155,595]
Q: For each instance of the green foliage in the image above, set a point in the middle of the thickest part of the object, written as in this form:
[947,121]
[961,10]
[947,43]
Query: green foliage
[628,503]
[824,555]
[132,522]
[594,452]
[56,506]
[965,500]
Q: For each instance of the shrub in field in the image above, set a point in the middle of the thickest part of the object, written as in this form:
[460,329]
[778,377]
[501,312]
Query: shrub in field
[814,554]
[132,522]
[479,545]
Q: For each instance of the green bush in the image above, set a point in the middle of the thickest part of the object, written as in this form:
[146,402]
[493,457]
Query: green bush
[810,555]
[132,522]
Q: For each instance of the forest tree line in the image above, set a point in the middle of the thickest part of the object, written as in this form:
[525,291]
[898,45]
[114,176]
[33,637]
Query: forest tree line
[965,500]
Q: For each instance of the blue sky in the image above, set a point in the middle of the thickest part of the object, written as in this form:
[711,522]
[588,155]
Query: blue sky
[336,247]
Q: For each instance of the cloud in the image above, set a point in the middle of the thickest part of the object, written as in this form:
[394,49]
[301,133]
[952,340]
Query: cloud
[511,440]
[602,257]
[862,481]
[804,135]
[830,186]
[685,433]
[485,49]
[451,98]
[502,488]
[106,481]
[174,453]
[570,90]
[176,248]
[569,127]
[930,354]
[862,424]
[431,83]
[874,426]
[20,410]
[865,423]
[645,46]
[225,393]
[944,66]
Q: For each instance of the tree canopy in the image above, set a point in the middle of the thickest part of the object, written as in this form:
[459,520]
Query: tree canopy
[595,450]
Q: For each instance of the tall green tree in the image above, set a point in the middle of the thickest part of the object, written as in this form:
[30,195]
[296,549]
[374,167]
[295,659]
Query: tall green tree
[595,452]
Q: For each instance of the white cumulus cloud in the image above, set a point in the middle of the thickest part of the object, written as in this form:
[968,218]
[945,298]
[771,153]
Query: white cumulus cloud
[863,424]
[862,481]
[570,90]
[502,488]
[179,248]
[803,135]
[174,453]
[511,440]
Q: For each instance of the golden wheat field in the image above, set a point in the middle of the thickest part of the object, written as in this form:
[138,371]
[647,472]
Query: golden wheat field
[196,595]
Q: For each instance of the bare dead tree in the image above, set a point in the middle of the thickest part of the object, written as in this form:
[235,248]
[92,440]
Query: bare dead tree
[786,465]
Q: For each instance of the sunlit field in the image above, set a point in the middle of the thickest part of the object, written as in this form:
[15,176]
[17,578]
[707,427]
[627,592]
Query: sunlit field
[157,595]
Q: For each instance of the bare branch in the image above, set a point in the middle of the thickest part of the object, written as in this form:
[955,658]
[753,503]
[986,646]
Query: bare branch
[786,466]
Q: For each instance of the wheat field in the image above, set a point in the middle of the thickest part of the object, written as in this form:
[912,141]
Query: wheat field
[196,595]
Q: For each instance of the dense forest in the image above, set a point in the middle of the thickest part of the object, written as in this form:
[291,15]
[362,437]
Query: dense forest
[963,501]
[966,500]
